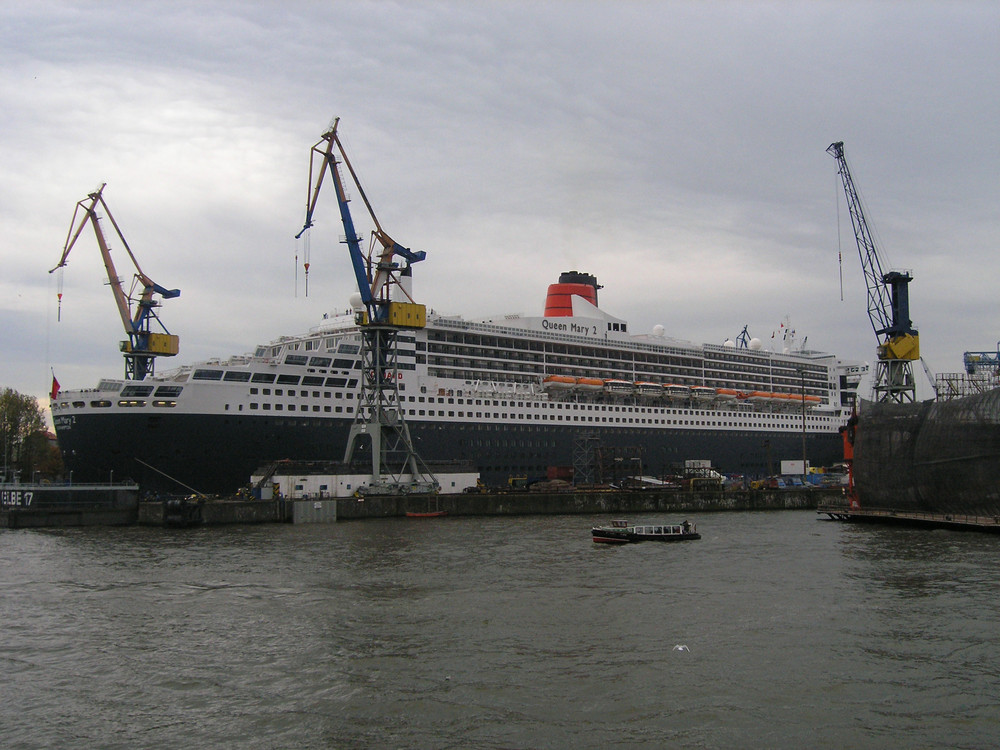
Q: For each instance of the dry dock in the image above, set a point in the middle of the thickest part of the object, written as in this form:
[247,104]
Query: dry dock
[919,519]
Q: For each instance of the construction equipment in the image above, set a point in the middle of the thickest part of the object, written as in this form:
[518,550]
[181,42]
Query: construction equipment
[385,307]
[888,303]
[143,346]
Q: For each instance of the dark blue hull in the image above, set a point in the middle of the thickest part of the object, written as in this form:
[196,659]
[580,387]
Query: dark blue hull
[218,453]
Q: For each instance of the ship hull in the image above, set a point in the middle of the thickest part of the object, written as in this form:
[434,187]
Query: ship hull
[218,453]
[934,456]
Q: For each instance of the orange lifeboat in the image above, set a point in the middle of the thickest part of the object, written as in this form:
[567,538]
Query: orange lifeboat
[702,393]
[726,394]
[559,383]
[589,384]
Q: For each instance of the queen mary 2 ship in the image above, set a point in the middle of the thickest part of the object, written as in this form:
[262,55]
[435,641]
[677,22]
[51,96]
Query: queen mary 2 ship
[512,395]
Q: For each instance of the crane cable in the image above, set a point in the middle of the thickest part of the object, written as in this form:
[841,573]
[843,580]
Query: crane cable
[59,293]
[305,259]
[840,255]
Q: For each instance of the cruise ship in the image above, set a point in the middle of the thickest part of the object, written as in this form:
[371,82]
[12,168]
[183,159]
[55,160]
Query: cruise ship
[515,396]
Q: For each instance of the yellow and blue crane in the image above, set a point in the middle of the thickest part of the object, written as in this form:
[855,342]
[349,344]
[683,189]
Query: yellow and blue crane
[143,345]
[386,307]
[888,302]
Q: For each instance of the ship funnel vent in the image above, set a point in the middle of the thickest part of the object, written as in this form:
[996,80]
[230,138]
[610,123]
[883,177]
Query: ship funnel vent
[559,301]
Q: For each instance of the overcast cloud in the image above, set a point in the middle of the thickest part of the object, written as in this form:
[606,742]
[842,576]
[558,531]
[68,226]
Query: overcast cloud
[676,150]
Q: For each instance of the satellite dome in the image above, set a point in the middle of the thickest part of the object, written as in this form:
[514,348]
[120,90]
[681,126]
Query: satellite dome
[755,344]
[658,330]
[729,344]
[355,302]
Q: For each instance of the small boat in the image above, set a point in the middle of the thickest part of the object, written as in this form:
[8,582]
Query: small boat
[619,532]
[426,513]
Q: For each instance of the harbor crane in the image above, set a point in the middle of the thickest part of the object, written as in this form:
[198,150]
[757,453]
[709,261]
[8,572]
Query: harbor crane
[888,303]
[143,345]
[384,308]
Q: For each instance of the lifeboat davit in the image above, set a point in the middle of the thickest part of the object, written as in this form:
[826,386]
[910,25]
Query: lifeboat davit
[559,383]
[654,390]
[619,387]
[675,391]
[702,393]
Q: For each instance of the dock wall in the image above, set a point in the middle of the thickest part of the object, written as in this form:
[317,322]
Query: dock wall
[614,501]
[109,506]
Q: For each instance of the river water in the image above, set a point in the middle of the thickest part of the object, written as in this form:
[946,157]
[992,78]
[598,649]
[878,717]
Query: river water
[774,630]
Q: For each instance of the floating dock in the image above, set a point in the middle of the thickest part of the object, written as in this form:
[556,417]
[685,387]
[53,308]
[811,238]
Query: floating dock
[919,519]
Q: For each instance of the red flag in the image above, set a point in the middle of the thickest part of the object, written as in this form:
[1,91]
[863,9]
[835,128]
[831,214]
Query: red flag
[54,393]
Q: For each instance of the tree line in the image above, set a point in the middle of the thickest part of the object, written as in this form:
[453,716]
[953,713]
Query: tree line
[28,452]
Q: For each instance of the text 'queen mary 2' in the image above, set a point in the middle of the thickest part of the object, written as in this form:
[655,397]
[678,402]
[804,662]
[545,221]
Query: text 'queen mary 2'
[513,396]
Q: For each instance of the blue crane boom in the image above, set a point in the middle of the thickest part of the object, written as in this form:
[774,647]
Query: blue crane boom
[375,277]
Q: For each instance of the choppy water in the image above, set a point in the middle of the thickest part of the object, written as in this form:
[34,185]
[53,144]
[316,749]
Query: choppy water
[499,633]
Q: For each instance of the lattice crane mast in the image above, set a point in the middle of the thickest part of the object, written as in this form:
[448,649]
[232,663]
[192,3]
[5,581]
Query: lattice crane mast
[888,302]
[143,346]
[396,466]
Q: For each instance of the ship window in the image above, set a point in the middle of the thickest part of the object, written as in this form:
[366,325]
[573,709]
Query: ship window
[237,376]
[343,364]
[336,382]
[253,405]
[133,391]
[348,349]
[296,359]
[169,391]
[207,375]
[131,403]
[320,361]
[262,377]
[79,404]
[278,407]
[312,380]
[267,407]
[168,404]
[288,379]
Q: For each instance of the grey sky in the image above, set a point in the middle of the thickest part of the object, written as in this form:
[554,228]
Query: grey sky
[673,149]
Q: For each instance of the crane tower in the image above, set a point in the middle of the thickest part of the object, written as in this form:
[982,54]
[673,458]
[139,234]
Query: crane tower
[888,303]
[384,307]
